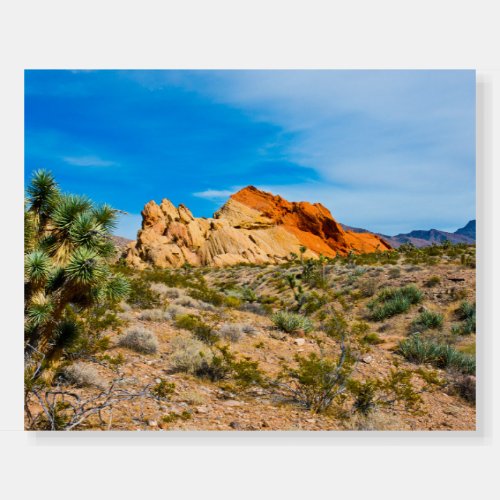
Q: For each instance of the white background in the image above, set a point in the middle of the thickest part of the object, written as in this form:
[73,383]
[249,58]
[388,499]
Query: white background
[257,34]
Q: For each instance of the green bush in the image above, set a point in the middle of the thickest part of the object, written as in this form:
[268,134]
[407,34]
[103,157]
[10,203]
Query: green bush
[392,301]
[427,320]
[141,295]
[291,322]
[421,351]
[200,329]
[317,381]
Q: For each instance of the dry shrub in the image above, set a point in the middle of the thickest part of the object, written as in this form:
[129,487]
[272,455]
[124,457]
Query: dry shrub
[140,340]
[231,331]
[189,355]
[153,315]
[83,375]
[173,311]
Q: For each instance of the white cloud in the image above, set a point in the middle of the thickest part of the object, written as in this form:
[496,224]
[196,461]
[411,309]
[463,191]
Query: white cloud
[215,194]
[88,161]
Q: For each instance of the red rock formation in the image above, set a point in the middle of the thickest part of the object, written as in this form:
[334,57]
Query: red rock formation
[252,226]
[313,224]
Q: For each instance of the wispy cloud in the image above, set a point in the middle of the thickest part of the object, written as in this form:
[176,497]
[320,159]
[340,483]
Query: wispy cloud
[215,194]
[88,161]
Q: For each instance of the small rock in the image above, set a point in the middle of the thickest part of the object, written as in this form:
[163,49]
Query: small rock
[158,380]
[264,424]
[300,341]
[152,423]
[367,359]
[422,309]
[201,409]
[232,402]
[311,420]
[235,425]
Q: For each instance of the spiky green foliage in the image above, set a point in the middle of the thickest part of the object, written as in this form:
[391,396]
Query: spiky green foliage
[291,322]
[427,320]
[439,355]
[392,301]
[67,249]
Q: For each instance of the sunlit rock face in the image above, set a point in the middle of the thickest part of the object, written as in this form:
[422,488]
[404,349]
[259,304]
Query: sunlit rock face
[252,227]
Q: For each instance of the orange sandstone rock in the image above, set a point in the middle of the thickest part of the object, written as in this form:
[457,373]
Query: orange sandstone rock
[253,226]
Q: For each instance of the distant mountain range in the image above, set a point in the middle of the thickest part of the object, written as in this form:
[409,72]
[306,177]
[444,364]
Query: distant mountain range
[423,238]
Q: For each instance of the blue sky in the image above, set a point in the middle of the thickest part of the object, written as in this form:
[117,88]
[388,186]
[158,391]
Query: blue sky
[389,151]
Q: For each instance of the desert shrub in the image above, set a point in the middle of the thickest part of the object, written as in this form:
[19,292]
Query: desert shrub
[220,365]
[186,301]
[209,295]
[420,351]
[140,340]
[335,326]
[231,331]
[392,301]
[114,361]
[291,322]
[427,320]
[395,272]
[249,295]
[163,389]
[433,281]
[231,301]
[163,290]
[260,309]
[173,311]
[189,355]
[153,315]
[371,339]
[246,373]
[141,295]
[83,375]
[465,387]
[173,416]
[200,329]
[368,287]
[234,331]
[317,381]
[313,302]
[248,329]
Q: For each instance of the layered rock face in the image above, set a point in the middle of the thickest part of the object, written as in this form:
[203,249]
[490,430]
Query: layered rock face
[252,227]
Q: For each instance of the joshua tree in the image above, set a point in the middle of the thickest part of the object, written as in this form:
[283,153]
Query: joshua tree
[302,251]
[67,248]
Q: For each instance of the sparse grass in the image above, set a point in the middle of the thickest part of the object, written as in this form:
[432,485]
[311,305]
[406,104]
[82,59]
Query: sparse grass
[427,320]
[421,351]
[140,340]
[392,301]
[291,322]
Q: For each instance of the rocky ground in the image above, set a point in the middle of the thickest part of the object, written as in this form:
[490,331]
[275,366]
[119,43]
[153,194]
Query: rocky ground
[194,402]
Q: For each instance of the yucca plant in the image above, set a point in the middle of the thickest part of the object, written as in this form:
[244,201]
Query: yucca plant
[67,250]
